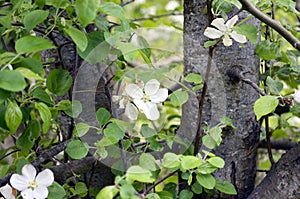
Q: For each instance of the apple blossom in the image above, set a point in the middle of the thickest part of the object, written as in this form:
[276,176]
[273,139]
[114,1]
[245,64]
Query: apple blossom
[297,96]
[32,186]
[7,192]
[225,31]
[145,98]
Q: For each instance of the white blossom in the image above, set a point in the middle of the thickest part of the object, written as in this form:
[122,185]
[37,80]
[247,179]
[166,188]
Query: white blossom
[225,31]
[32,186]
[145,98]
[297,96]
[7,192]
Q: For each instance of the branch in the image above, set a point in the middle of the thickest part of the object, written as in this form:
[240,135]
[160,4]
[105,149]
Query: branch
[283,144]
[272,23]
[157,16]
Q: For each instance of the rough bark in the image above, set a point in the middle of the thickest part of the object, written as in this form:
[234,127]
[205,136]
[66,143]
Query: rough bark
[224,97]
[283,180]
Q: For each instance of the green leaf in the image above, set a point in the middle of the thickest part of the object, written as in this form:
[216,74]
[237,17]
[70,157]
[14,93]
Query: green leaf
[12,81]
[196,188]
[75,109]
[112,9]
[193,78]
[147,132]
[81,189]
[78,37]
[206,168]
[171,161]
[225,187]
[102,116]
[77,149]
[274,86]
[189,162]
[152,196]
[81,129]
[4,95]
[235,2]
[248,30]
[127,191]
[227,122]
[265,105]
[86,10]
[45,115]
[56,191]
[217,162]
[32,64]
[179,97]
[137,173]
[186,194]
[206,180]
[209,142]
[113,130]
[108,192]
[27,73]
[59,81]
[42,95]
[210,43]
[31,44]
[58,3]
[13,116]
[267,50]
[144,49]
[34,17]
[147,161]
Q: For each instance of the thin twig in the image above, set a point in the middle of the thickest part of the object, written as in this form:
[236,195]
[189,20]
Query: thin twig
[157,16]
[268,140]
[159,181]
[14,151]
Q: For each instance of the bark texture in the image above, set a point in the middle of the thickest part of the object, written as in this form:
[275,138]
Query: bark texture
[283,180]
[224,97]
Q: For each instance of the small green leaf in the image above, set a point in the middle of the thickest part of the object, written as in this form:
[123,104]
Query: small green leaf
[42,95]
[137,173]
[78,37]
[102,116]
[225,187]
[216,161]
[77,149]
[186,194]
[58,3]
[228,122]
[27,73]
[112,9]
[13,117]
[113,130]
[209,142]
[210,43]
[267,50]
[45,114]
[196,188]
[153,196]
[81,189]
[248,30]
[108,192]
[86,10]
[171,161]
[12,80]
[274,86]
[31,44]
[56,191]
[59,81]
[189,162]
[206,180]
[127,191]
[147,132]
[34,17]
[265,105]
[75,109]
[147,161]
[194,78]
[81,129]
[179,97]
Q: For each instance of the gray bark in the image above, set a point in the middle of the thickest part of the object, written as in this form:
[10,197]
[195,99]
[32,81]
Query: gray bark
[283,180]
[224,97]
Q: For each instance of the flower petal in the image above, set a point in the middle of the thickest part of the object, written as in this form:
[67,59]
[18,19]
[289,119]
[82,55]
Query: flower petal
[227,41]
[297,96]
[131,111]
[151,87]
[27,194]
[6,191]
[45,178]
[160,96]
[213,33]
[40,192]
[140,104]
[19,182]
[151,111]
[230,23]
[29,171]
[238,37]
[134,91]
[220,24]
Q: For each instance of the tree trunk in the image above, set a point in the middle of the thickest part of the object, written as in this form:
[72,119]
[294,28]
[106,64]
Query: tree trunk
[224,98]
